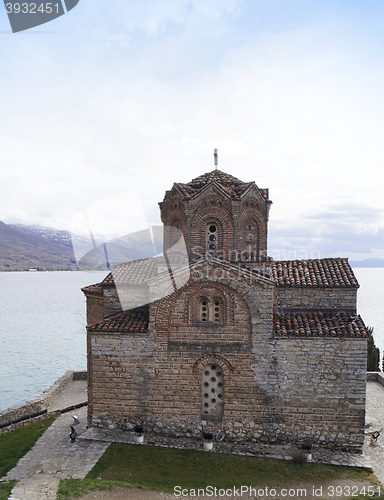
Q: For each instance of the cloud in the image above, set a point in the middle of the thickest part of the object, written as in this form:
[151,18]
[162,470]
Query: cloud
[345,230]
[349,213]
[152,18]
[141,96]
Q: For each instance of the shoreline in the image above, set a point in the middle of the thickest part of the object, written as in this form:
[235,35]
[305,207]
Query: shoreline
[42,406]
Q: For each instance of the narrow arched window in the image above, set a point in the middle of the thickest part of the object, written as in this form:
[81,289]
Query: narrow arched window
[251,233]
[217,310]
[212,238]
[204,310]
[212,391]
[211,310]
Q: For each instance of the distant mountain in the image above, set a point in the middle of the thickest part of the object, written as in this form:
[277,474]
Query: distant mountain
[34,247]
[367,263]
[44,248]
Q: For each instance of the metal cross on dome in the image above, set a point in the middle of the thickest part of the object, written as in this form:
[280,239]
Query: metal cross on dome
[216,157]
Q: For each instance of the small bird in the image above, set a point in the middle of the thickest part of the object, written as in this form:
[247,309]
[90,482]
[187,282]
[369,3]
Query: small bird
[75,419]
[73,434]
[374,436]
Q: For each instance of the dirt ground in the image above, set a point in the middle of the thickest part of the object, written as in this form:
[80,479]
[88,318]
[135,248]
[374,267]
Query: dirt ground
[125,493]
[349,489]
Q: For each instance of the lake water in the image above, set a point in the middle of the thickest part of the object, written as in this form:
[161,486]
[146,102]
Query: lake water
[370,301]
[42,326]
[42,330]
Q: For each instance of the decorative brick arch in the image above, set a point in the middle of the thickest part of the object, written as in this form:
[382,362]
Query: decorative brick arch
[254,217]
[243,242]
[209,358]
[174,202]
[249,213]
[199,290]
[177,215]
[165,306]
[205,214]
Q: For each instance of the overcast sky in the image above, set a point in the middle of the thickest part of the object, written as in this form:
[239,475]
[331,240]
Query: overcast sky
[135,95]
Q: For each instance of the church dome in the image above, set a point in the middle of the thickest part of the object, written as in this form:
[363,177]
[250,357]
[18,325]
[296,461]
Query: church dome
[226,180]
[232,185]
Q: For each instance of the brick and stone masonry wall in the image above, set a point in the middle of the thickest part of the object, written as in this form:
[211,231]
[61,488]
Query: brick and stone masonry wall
[95,308]
[121,368]
[275,389]
[232,218]
[281,393]
[163,381]
[321,386]
[111,301]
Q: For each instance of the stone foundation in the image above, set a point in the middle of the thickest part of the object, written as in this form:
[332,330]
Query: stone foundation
[249,434]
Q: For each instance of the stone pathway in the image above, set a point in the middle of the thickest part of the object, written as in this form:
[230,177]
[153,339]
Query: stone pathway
[74,393]
[375,416]
[54,456]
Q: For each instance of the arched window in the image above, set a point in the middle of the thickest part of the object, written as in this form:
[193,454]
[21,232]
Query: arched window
[204,310]
[211,310]
[212,238]
[217,310]
[212,391]
[250,232]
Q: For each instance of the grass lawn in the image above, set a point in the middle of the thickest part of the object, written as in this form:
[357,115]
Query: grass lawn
[5,489]
[14,445]
[163,468]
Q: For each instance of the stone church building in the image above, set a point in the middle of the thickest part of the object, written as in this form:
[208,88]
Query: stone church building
[260,351]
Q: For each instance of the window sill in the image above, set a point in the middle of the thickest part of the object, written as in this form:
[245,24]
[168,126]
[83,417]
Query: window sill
[208,324]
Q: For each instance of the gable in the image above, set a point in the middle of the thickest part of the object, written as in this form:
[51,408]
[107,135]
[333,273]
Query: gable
[211,190]
[253,191]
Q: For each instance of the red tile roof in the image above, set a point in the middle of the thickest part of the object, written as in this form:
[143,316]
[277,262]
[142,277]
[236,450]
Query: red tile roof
[133,272]
[318,324]
[136,272]
[96,289]
[322,273]
[316,273]
[310,324]
[227,182]
[132,321]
